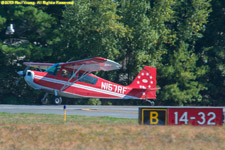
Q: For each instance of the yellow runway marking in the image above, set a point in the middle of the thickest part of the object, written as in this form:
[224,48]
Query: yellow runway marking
[109,111]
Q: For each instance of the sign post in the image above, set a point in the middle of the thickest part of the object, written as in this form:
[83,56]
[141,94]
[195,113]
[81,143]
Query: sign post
[64,112]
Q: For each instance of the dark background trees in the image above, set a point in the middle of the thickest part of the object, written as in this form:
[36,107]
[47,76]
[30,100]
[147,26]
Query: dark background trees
[183,39]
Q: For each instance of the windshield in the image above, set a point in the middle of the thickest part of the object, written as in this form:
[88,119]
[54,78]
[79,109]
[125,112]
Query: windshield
[54,69]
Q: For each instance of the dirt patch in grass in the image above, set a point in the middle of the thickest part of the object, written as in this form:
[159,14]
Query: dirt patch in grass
[30,131]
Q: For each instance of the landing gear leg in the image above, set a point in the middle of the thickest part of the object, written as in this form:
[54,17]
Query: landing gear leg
[44,100]
[57,100]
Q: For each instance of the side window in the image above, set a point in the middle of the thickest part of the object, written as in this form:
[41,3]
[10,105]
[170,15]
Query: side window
[88,79]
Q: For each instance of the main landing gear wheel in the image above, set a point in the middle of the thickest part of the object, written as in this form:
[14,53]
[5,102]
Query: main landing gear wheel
[58,100]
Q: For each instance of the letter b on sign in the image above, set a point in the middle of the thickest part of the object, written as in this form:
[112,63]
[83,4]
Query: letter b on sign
[152,116]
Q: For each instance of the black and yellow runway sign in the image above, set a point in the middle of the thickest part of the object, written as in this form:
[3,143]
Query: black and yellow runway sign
[197,116]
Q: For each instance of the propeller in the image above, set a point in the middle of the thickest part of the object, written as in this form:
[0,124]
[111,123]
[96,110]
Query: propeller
[22,74]
[17,81]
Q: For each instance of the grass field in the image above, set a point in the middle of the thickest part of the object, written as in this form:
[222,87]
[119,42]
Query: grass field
[35,131]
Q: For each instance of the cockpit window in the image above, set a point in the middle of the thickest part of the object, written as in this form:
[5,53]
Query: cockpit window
[54,69]
[87,79]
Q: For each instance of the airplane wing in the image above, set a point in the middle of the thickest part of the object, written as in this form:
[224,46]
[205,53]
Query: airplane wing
[43,66]
[93,64]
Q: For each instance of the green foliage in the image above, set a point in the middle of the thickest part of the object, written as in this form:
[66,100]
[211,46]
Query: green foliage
[181,74]
[30,42]
[92,28]
[2,21]
[94,101]
[212,55]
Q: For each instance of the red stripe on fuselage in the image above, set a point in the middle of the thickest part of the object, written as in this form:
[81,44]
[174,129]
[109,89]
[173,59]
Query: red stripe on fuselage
[70,89]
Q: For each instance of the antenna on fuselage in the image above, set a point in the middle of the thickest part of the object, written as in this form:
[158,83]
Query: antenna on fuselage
[69,59]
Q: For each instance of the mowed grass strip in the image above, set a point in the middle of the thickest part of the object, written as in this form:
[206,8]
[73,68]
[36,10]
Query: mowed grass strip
[41,131]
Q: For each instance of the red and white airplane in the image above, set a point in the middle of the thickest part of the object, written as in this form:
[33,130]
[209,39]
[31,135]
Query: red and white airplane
[75,80]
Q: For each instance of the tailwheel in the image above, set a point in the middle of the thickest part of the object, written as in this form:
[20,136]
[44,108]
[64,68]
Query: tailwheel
[151,102]
[57,100]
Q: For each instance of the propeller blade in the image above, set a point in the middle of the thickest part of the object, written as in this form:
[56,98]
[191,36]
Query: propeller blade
[21,73]
[17,81]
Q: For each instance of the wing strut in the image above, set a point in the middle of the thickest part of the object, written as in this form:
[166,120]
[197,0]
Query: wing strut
[66,85]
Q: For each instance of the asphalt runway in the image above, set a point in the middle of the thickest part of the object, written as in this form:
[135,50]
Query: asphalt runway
[86,110]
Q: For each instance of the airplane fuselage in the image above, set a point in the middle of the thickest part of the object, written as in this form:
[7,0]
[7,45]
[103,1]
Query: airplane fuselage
[95,87]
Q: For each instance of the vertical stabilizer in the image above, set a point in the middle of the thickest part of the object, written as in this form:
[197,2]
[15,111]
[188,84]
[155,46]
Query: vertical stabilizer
[146,82]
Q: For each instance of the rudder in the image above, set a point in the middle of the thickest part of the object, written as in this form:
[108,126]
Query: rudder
[146,80]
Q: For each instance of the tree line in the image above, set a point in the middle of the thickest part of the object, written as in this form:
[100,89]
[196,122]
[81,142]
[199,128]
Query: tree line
[184,40]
